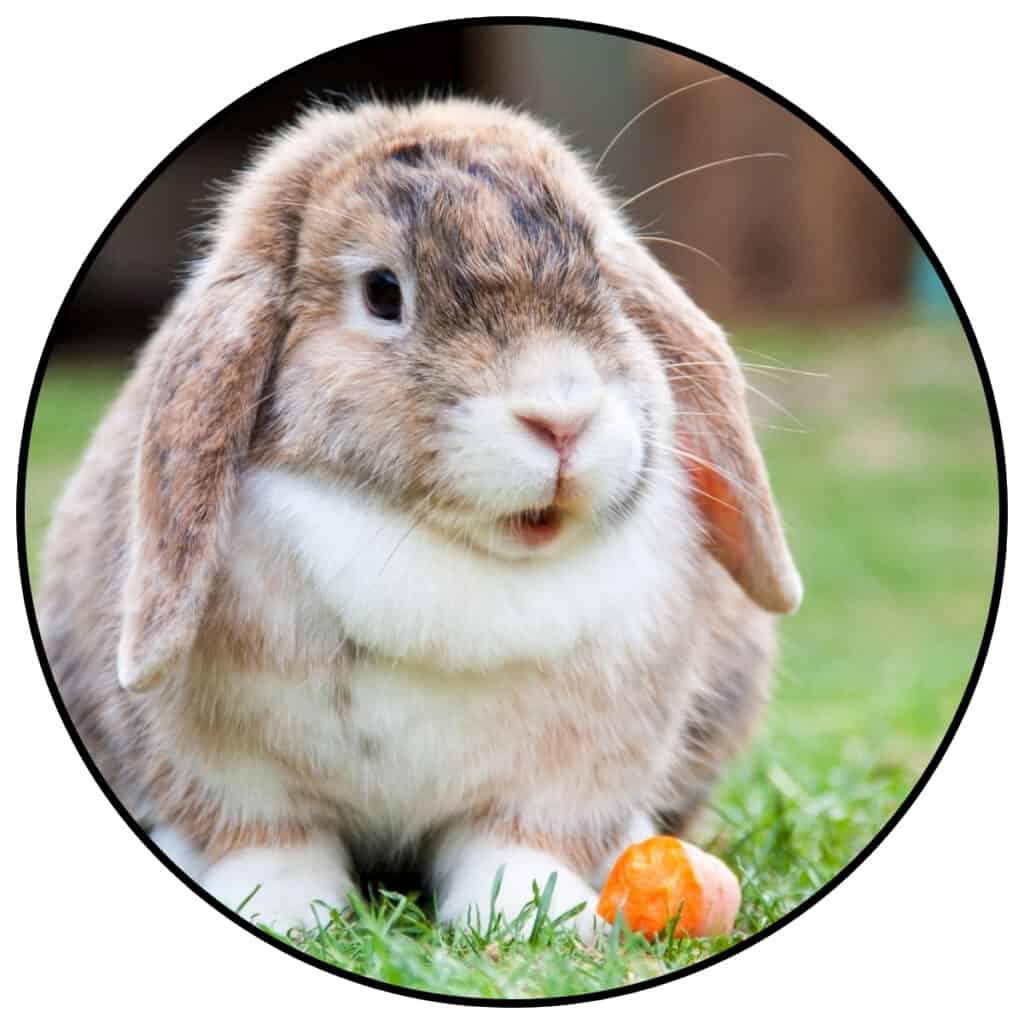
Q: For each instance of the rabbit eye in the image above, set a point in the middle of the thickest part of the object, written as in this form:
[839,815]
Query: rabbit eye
[383,294]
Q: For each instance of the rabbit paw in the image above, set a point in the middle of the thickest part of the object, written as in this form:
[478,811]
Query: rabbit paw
[468,875]
[280,886]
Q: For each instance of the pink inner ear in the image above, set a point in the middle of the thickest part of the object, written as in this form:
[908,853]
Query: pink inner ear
[723,518]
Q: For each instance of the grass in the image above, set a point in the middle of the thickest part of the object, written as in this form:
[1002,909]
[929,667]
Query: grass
[888,487]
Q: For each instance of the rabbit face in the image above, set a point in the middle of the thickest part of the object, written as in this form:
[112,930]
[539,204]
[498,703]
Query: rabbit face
[458,352]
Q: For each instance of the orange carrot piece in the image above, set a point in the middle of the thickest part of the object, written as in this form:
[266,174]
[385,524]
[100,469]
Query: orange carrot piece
[654,880]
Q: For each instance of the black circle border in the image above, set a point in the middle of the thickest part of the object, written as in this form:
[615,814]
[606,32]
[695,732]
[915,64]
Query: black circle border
[897,815]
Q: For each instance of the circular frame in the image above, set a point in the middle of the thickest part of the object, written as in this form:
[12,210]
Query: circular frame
[944,742]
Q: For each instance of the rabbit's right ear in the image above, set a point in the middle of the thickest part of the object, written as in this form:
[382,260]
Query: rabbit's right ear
[208,370]
[210,366]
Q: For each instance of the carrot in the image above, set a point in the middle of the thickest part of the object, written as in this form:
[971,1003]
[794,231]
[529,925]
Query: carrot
[655,880]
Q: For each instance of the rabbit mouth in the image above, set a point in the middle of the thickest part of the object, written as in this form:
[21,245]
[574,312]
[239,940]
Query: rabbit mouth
[535,527]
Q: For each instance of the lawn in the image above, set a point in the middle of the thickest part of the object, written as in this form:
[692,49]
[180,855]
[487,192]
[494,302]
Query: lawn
[885,472]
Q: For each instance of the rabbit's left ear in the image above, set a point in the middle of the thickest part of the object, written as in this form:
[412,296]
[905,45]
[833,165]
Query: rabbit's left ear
[713,430]
[208,369]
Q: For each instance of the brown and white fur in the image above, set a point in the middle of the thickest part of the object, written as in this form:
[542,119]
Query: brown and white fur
[291,600]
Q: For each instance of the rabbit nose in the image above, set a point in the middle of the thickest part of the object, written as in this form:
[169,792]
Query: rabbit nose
[560,432]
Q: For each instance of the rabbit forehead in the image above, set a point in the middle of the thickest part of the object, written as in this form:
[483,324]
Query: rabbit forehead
[487,222]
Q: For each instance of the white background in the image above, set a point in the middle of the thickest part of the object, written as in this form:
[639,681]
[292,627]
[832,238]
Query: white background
[97,95]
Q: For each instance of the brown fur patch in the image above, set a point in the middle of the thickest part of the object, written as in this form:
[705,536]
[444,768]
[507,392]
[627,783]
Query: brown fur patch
[239,837]
[186,806]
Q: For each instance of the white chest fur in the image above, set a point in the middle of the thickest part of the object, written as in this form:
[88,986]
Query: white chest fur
[410,594]
[481,681]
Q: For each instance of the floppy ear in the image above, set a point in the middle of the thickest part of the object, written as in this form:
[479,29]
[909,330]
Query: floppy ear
[713,429]
[206,373]
[208,367]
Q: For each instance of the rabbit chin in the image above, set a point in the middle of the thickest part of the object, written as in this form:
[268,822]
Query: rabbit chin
[416,594]
[537,534]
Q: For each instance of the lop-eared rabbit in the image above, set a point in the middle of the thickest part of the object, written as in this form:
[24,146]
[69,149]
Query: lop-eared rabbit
[430,527]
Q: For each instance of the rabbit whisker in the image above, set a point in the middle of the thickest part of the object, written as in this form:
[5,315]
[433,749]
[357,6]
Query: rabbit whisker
[765,367]
[682,245]
[775,404]
[697,170]
[650,106]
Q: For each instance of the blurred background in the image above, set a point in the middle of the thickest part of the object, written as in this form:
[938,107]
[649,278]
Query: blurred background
[864,390]
[806,236]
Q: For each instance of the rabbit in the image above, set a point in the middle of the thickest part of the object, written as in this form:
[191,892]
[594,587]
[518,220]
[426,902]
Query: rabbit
[430,527]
